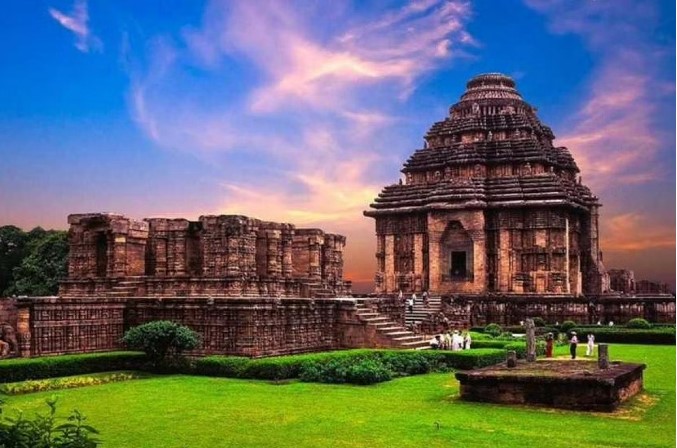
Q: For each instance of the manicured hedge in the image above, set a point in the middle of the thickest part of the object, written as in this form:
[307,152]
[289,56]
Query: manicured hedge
[490,343]
[68,382]
[520,348]
[21,369]
[658,336]
[349,366]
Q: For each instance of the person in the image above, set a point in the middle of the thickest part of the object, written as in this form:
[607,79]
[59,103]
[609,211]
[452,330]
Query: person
[573,343]
[425,299]
[599,322]
[467,340]
[549,342]
[413,298]
[611,323]
[591,345]
[400,296]
[410,304]
[456,342]
[435,342]
[447,340]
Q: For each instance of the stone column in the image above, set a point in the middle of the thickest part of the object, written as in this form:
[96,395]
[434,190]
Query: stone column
[273,253]
[118,255]
[23,328]
[512,358]
[314,268]
[179,250]
[233,255]
[287,266]
[531,340]
[418,258]
[389,272]
[603,356]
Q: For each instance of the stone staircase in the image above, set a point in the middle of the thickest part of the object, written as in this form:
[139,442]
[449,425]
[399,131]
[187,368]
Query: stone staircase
[420,312]
[124,288]
[393,332]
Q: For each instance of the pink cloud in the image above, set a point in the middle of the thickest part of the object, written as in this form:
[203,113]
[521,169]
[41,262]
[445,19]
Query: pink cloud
[77,23]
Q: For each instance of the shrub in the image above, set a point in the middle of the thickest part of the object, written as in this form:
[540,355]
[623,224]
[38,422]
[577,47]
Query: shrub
[492,343]
[567,325]
[662,336]
[368,371]
[69,382]
[538,321]
[520,348]
[21,369]
[493,329]
[43,432]
[638,323]
[160,339]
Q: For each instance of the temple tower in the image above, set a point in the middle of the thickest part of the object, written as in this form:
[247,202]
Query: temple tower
[489,205]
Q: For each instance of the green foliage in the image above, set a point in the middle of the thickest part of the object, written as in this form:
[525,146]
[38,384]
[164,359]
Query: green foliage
[69,382]
[43,264]
[361,366]
[638,323]
[44,431]
[491,343]
[493,330]
[520,348]
[538,321]
[659,336]
[160,339]
[12,251]
[21,369]
[567,326]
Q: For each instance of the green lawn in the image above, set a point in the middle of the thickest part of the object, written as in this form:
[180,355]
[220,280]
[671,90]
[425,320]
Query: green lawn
[186,411]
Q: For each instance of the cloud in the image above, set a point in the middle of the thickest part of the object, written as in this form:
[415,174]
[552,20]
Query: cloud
[614,136]
[77,23]
[635,232]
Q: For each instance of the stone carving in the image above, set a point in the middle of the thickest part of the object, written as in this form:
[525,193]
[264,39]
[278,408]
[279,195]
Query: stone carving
[603,356]
[8,341]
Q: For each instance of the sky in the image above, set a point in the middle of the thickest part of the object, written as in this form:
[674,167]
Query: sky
[301,111]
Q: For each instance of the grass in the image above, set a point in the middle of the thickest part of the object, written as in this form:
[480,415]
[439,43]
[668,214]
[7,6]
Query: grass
[189,411]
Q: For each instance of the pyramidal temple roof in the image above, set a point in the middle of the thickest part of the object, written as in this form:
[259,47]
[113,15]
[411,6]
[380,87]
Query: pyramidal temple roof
[490,151]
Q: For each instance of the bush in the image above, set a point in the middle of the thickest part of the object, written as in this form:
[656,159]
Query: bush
[493,330]
[43,432]
[160,339]
[69,382]
[567,326]
[490,344]
[638,323]
[361,366]
[538,321]
[21,369]
[662,336]
[520,348]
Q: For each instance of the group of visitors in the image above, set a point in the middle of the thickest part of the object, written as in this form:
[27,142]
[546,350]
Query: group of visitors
[453,341]
[411,301]
[573,345]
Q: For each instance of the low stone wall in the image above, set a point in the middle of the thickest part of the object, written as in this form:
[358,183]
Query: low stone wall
[227,326]
[466,311]
[562,384]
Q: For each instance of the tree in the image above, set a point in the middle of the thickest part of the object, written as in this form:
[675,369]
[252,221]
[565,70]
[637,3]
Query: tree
[12,251]
[43,266]
[161,338]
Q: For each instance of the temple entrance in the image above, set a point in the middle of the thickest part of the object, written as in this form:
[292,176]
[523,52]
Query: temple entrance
[458,264]
[457,254]
[101,254]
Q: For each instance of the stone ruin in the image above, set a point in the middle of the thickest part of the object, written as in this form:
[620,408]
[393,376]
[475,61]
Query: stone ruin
[229,256]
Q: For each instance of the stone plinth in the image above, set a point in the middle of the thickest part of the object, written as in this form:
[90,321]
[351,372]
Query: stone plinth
[577,385]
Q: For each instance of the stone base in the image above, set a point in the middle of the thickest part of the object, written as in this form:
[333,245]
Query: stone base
[577,385]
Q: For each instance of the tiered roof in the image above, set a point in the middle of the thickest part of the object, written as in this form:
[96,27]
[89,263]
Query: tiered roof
[490,127]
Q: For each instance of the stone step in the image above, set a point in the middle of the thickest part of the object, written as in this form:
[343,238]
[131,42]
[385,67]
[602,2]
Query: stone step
[399,333]
[409,338]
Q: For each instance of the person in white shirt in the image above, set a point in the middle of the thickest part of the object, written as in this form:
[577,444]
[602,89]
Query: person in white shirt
[435,342]
[467,340]
[591,345]
[456,342]
[573,343]
[410,304]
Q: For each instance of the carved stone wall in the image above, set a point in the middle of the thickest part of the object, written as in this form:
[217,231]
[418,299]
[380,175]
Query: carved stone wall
[217,255]
[228,326]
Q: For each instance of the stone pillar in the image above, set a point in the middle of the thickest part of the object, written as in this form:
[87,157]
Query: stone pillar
[531,340]
[603,356]
[503,265]
[119,255]
[273,253]
[418,256]
[314,264]
[512,358]
[389,271]
[233,255]
[179,250]
[23,328]
[287,266]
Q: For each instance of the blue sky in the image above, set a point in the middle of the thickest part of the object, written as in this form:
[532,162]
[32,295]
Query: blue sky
[302,111]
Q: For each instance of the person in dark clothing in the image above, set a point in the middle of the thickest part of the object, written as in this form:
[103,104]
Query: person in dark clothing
[573,342]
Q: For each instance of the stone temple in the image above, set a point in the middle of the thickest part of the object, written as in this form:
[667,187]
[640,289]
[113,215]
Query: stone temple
[489,205]
[492,220]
